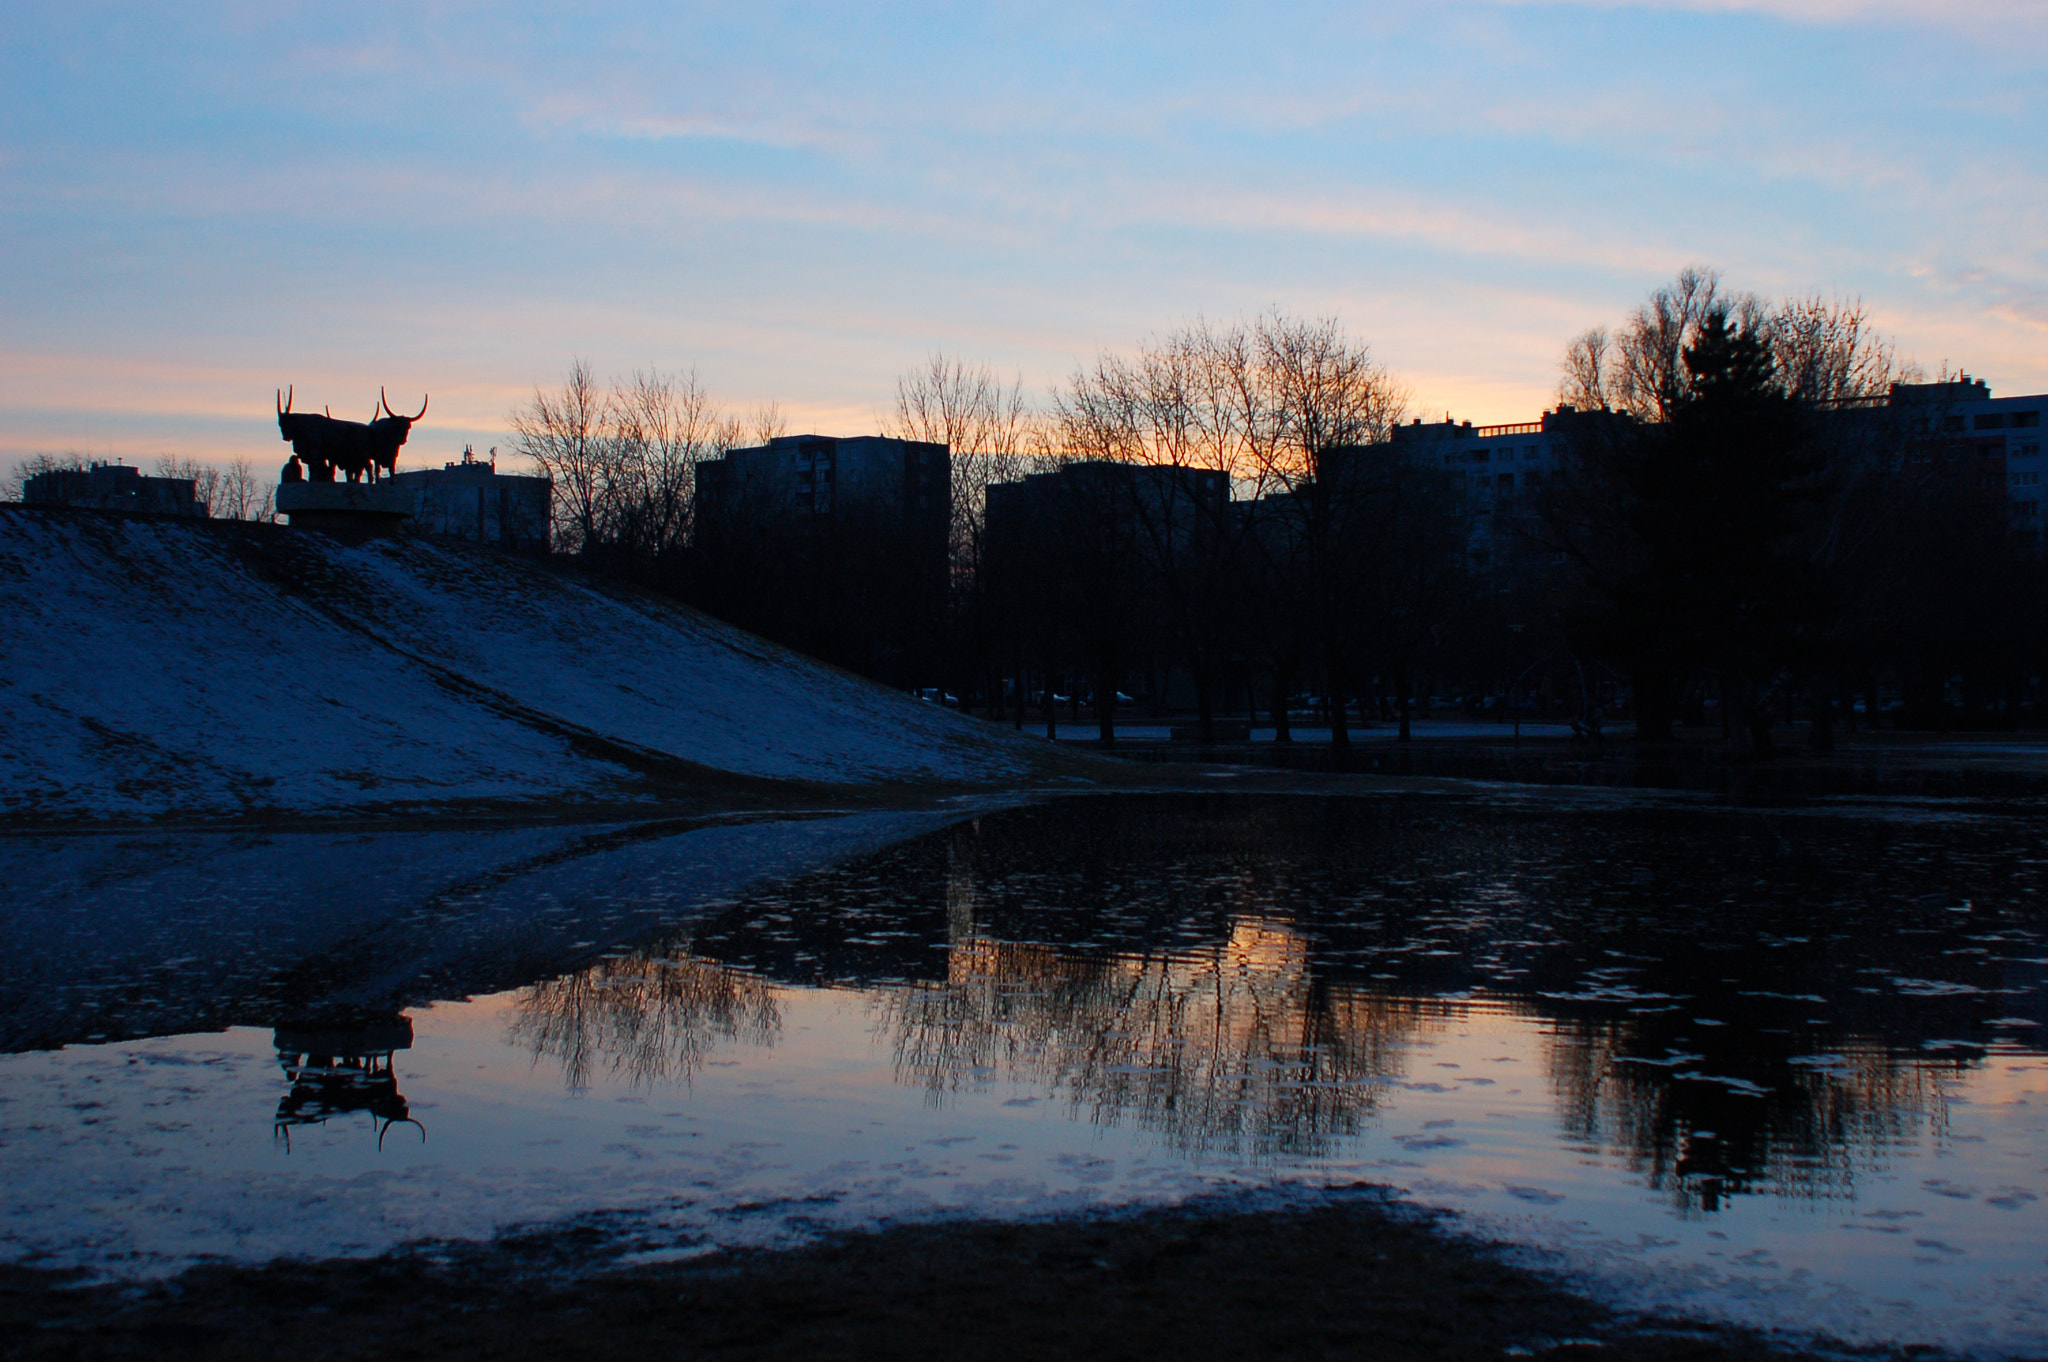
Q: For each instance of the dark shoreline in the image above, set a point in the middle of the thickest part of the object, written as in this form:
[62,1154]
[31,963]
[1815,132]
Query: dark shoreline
[1355,1276]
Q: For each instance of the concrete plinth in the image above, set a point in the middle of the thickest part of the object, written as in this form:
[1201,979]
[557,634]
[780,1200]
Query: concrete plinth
[362,508]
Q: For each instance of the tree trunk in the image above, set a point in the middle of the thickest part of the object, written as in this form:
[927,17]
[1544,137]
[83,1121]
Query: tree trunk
[1821,736]
[1283,731]
[1105,709]
[1334,702]
[1655,711]
[1760,729]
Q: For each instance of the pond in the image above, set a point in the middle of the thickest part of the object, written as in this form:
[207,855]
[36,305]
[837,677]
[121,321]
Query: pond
[1783,1066]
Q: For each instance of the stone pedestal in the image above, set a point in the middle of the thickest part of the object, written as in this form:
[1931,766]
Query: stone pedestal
[356,508]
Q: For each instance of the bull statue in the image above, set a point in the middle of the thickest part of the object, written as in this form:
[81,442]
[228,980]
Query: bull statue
[322,443]
[388,432]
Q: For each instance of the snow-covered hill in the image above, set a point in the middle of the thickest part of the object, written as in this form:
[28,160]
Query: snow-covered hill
[156,668]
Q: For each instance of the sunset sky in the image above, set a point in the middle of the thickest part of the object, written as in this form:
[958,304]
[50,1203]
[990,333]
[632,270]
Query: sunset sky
[202,202]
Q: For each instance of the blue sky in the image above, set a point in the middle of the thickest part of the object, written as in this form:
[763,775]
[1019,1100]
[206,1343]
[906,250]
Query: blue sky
[202,202]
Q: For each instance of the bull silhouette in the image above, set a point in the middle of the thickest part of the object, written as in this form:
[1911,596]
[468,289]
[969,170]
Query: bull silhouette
[358,449]
[323,443]
[388,432]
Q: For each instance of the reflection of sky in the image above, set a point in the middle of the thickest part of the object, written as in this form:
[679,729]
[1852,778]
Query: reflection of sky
[1784,1066]
[154,1152]
[201,202]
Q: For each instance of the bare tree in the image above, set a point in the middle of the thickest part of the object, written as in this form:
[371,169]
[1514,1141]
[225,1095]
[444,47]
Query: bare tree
[563,433]
[242,494]
[1641,368]
[659,426]
[1324,392]
[71,461]
[1828,353]
[989,429]
[1344,506]
[1176,409]
[985,423]
[1278,412]
[1615,513]
[1588,382]
[767,423]
[1825,348]
[207,481]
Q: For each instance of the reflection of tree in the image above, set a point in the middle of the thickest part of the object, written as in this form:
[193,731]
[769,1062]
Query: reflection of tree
[652,1018]
[1797,1126]
[1233,1049]
[1696,970]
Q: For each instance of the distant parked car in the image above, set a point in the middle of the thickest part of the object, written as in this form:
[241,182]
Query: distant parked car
[939,697]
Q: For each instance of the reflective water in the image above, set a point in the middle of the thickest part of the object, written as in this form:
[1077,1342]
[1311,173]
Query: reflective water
[1785,1066]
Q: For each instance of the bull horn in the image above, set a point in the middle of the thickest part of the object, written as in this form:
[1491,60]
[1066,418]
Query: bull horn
[284,403]
[387,406]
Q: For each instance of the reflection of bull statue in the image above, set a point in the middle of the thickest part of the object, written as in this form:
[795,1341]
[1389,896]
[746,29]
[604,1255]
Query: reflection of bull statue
[358,449]
[388,432]
[338,1072]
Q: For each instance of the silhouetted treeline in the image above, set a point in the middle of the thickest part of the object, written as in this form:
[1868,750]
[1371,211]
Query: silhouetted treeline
[1789,523]
[1754,513]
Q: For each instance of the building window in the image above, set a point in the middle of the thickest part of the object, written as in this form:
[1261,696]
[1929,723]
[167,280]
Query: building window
[2026,479]
[1951,424]
[1991,420]
[2026,451]
[2026,420]
[1476,456]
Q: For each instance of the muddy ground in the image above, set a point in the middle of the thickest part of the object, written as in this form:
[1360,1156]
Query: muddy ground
[1352,1279]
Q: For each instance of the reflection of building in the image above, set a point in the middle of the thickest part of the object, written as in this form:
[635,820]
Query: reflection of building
[473,500]
[112,487]
[337,1071]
